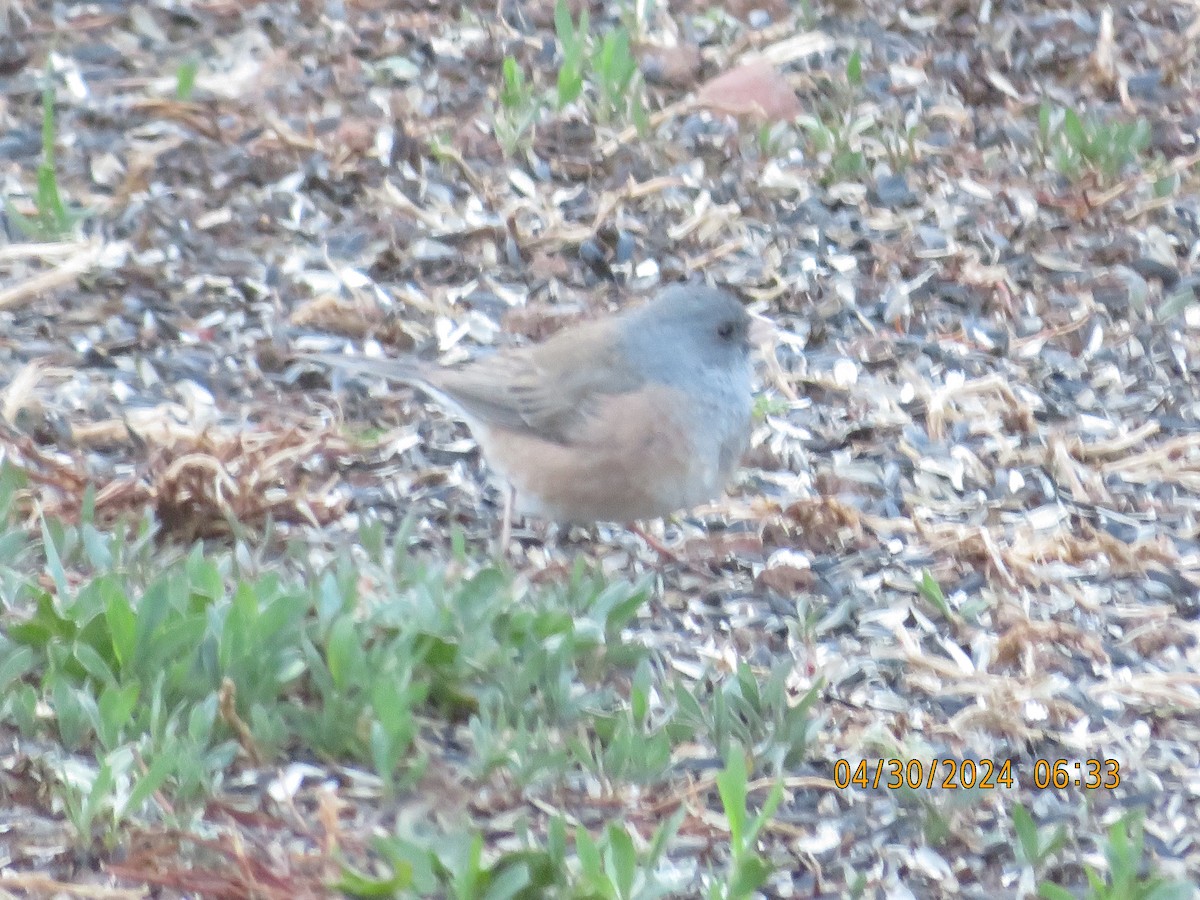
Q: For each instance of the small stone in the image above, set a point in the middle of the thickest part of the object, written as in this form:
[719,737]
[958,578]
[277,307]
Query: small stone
[1150,268]
[625,247]
[594,257]
[758,18]
[1146,86]
[892,191]
[932,238]
[672,66]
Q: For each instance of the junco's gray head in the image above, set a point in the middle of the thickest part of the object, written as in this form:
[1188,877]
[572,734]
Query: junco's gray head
[628,417]
[688,326]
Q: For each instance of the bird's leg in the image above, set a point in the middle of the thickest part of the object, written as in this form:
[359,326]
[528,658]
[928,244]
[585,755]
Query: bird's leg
[510,496]
[667,554]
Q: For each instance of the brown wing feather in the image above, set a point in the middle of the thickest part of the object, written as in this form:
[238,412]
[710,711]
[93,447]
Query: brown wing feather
[547,390]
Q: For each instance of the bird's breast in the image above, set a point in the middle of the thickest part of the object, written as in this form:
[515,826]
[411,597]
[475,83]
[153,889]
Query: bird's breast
[637,455]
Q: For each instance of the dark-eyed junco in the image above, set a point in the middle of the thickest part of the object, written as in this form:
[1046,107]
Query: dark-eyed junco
[629,417]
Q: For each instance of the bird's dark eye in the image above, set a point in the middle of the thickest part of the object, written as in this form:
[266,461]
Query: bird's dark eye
[726,330]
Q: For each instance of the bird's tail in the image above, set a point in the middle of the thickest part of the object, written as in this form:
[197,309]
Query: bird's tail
[406,370]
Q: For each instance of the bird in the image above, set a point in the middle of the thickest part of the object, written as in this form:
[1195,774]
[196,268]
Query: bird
[629,417]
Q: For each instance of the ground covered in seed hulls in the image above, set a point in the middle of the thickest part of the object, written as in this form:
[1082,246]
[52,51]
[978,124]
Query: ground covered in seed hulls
[251,640]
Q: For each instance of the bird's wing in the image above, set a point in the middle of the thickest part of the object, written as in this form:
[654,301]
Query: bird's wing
[548,390]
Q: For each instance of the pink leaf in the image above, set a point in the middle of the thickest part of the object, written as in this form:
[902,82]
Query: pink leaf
[755,90]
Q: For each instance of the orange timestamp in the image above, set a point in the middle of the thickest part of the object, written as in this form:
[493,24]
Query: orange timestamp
[981,774]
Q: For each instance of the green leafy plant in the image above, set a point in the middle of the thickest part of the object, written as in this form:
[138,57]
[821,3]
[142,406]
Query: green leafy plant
[607,867]
[573,44]
[159,654]
[602,69]
[612,867]
[599,69]
[742,710]
[932,592]
[748,870]
[1125,879]
[98,803]
[900,145]
[854,75]
[155,667]
[1185,295]
[519,109]
[626,745]
[1035,847]
[1073,143]
[185,79]
[835,131]
[769,405]
[847,134]
[616,71]
[52,220]
[775,138]
[928,588]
